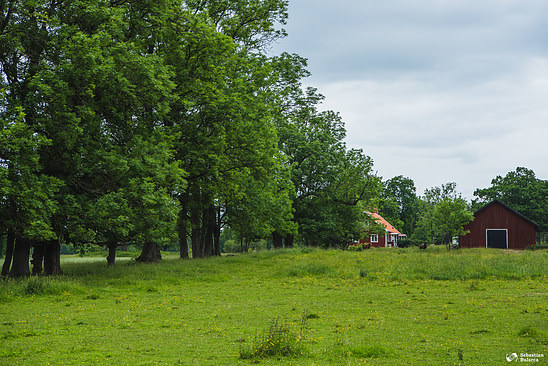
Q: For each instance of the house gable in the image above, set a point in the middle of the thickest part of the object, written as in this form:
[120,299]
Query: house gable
[390,237]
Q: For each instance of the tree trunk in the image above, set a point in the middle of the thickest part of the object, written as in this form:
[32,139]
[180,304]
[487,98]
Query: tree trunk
[111,258]
[38,258]
[52,258]
[10,243]
[196,234]
[277,240]
[182,228]
[209,230]
[20,266]
[217,232]
[289,240]
[150,253]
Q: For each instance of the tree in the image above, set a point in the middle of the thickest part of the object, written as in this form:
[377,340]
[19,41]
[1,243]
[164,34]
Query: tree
[329,181]
[451,214]
[27,193]
[26,197]
[399,203]
[222,114]
[442,215]
[86,79]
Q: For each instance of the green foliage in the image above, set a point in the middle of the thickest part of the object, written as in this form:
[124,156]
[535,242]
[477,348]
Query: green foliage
[399,204]
[355,247]
[442,215]
[330,181]
[407,242]
[141,121]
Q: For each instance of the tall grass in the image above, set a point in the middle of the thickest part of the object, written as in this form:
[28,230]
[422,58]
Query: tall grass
[384,306]
[454,265]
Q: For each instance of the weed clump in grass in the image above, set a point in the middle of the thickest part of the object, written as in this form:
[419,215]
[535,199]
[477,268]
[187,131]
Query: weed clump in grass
[309,269]
[277,340]
[360,350]
[534,334]
[40,286]
[368,274]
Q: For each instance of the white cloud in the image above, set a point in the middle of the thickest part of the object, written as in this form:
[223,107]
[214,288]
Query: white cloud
[433,134]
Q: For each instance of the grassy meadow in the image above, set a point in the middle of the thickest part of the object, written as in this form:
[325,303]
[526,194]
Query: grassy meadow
[378,307]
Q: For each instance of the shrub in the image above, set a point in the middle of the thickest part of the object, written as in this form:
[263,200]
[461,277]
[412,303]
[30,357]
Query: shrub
[277,340]
[40,286]
[533,333]
[67,249]
[355,247]
[368,274]
[407,242]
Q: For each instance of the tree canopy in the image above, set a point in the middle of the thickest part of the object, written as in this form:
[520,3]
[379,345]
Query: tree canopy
[150,123]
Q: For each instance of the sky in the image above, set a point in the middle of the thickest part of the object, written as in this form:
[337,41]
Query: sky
[435,90]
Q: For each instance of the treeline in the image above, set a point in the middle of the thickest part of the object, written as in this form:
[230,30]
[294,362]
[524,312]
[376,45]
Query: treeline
[153,122]
[440,213]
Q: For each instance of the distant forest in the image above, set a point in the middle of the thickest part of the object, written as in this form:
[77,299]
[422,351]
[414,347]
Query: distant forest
[165,123]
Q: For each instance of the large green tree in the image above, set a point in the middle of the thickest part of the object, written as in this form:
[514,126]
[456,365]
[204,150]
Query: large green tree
[329,180]
[86,78]
[223,115]
[399,203]
[442,215]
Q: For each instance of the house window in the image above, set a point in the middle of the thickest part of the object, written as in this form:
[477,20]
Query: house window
[393,237]
[374,238]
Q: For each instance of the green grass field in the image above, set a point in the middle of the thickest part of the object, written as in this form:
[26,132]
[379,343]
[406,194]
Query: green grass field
[379,307]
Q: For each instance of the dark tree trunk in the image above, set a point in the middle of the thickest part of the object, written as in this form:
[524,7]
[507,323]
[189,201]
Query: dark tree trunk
[52,258]
[20,266]
[217,233]
[209,230]
[289,241]
[277,240]
[196,233]
[111,257]
[38,258]
[182,227]
[150,253]
[10,243]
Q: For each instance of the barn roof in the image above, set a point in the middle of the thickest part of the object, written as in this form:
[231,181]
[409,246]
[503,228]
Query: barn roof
[391,229]
[508,208]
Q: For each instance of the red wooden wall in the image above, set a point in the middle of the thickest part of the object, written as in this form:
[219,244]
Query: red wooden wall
[521,232]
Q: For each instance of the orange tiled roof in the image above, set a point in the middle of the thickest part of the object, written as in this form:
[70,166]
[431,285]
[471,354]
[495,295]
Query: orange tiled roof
[383,222]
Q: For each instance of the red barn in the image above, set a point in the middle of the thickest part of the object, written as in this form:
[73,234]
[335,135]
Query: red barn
[498,226]
[390,237]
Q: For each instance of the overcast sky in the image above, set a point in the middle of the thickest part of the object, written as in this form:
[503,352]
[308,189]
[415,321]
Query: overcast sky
[436,90]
